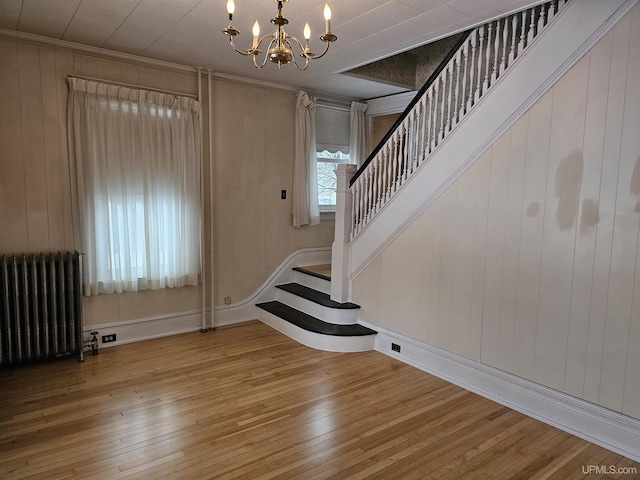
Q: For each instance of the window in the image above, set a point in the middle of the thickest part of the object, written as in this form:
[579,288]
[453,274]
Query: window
[327,163]
[137,171]
[332,144]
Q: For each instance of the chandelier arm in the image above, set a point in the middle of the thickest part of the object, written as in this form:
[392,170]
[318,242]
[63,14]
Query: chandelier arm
[303,49]
[291,37]
[259,66]
[306,63]
[268,35]
[245,53]
[326,49]
[266,55]
[302,54]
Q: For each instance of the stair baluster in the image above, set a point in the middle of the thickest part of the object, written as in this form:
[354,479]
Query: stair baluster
[480,58]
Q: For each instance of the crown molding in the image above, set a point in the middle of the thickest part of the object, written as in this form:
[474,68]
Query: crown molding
[102,52]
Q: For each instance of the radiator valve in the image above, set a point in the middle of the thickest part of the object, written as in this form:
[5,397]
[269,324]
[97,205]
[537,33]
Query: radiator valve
[93,343]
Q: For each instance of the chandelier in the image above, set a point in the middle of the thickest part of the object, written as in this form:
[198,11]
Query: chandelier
[280,45]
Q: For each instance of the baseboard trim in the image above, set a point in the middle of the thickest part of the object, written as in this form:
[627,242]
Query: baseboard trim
[612,430]
[246,309]
[147,328]
[138,330]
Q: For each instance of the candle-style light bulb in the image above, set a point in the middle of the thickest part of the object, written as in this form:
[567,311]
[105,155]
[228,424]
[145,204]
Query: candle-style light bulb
[256,33]
[231,7]
[327,17]
[307,31]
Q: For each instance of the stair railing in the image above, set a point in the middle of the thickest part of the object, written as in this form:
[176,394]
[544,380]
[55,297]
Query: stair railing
[471,69]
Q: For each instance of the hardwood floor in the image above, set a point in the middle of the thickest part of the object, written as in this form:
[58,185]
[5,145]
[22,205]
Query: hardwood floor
[248,402]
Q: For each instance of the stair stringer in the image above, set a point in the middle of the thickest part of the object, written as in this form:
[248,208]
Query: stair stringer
[567,39]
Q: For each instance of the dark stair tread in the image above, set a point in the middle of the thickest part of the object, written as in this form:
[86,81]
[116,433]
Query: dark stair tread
[313,324]
[313,274]
[315,296]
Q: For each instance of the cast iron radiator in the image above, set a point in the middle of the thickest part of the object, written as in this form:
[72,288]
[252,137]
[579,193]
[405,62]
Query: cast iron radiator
[41,306]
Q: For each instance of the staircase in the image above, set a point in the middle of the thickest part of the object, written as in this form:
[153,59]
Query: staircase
[500,70]
[304,311]
[460,111]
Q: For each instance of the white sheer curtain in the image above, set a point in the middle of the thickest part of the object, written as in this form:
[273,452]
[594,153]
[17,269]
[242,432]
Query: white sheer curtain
[305,182]
[358,136]
[135,163]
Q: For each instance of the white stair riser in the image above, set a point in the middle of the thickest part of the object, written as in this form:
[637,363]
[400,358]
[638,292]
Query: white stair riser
[326,314]
[329,343]
[310,281]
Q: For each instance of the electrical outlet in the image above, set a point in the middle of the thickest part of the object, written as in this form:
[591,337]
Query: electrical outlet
[283,194]
[109,338]
[395,347]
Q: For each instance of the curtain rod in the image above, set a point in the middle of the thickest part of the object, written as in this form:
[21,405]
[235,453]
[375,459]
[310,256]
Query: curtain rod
[131,85]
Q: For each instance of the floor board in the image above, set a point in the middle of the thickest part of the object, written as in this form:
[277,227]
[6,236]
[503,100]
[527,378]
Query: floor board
[247,402]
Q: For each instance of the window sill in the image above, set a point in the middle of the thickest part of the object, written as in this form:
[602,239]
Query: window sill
[326,215]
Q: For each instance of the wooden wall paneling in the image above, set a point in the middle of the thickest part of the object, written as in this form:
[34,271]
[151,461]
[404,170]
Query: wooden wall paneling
[86,65]
[436,269]
[117,71]
[410,274]
[147,76]
[51,137]
[248,195]
[529,260]
[10,14]
[96,309]
[179,81]
[223,96]
[565,172]
[426,279]
[436,224]
[513,227]
[386,288]
[64,66]
[129,74]
[495,248]
[33,147]
[631,398]
[251,171]
[604,232]
[13,206]
[108,70]
[248,269]
[625,228]
[447,254]
[237,125]
[376,290]
[463,262]
[367,292]
[595,117]
[396,252]
[480,217]
[280,234]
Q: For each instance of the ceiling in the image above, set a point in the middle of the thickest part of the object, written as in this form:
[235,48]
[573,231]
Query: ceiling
[189,32]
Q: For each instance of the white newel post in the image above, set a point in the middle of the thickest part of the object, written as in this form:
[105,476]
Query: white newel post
[340,248]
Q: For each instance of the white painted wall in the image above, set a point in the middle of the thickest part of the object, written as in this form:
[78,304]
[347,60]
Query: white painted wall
[529,261]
